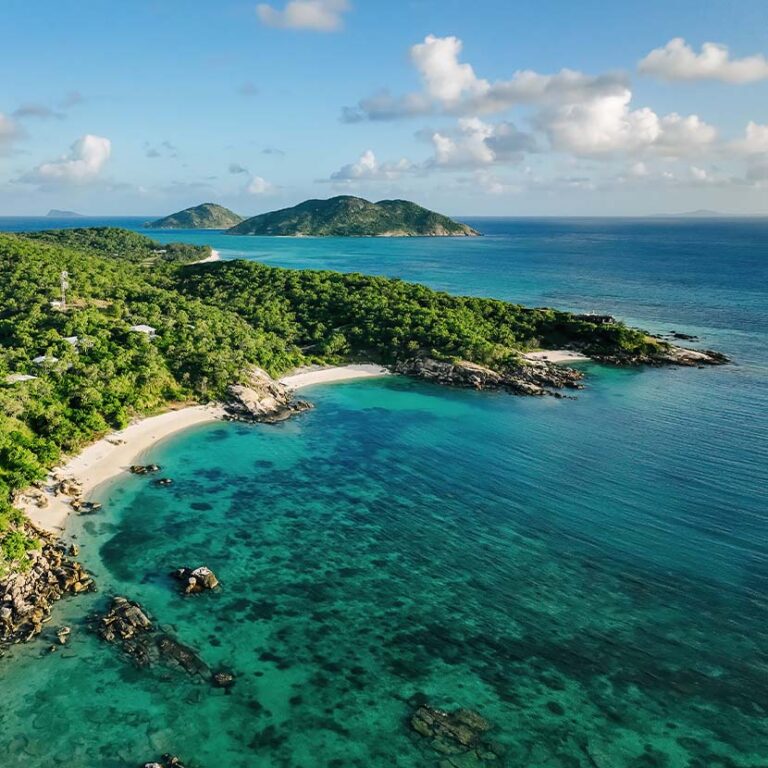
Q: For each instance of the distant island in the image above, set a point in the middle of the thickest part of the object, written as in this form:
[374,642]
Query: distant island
[348,216]
[701,213]
[55,213]
[204,216]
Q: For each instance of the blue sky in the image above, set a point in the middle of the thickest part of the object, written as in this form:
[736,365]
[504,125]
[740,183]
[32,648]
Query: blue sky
[490,107]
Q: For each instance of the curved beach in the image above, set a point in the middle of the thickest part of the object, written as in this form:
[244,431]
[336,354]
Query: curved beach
[114,453]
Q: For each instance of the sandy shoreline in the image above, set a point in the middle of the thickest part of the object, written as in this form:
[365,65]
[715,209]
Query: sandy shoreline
[313,375]
[556,356]
[215,256]
[114,453]
[111,456]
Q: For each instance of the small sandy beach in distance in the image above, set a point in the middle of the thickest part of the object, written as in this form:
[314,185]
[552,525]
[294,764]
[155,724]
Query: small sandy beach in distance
[304,377]
[112,455]
[556,356]
[215,256]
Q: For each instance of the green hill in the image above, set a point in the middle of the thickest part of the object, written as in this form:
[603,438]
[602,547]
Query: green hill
[205,216]
[347,216]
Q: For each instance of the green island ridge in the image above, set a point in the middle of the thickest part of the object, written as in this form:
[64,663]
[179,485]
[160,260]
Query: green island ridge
[347,216]
[72,372]
[203,216]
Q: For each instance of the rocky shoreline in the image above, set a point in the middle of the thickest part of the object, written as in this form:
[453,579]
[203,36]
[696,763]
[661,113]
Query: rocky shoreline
[527,378]
[262,400]
[28,596]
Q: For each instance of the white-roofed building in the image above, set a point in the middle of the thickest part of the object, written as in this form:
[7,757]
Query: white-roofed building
[73,340]
[14,378]
[45,360]
[145,329]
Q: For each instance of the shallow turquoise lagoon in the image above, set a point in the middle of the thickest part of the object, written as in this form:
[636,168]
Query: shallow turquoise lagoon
[589,574]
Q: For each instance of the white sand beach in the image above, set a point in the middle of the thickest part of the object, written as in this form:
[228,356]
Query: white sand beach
[215,256]
[112,455]
[304,377]
[556,356]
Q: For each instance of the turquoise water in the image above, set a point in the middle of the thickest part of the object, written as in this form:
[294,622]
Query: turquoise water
[591,575]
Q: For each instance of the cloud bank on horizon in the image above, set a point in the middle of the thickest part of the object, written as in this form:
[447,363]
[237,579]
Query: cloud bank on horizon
[460,134]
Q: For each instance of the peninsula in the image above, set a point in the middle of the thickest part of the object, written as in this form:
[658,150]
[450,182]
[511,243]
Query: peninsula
[147,328]
[347,216]
[203,216]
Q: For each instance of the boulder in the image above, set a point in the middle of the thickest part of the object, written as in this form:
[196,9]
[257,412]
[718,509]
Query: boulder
[196,580]
[261,399]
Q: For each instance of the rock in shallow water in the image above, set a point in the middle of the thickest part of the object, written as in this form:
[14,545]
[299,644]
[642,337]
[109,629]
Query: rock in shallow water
[459,736]
[196,580]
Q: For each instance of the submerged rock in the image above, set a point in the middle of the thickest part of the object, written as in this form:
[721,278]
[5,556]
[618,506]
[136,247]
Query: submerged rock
[459,736]
[127,625]
[196,580]
[262,399]
[525,378]
[223,679]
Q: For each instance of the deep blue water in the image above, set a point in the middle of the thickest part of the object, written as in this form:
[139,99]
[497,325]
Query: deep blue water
[589,574]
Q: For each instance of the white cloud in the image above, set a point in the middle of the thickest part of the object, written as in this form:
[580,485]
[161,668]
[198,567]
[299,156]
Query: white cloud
[453,87]
[755,141]
[480,144]
[86,158]
[678,61]
[317,15]
[259,186]
[446,80]
[684,135]
[605,125]
[368,168]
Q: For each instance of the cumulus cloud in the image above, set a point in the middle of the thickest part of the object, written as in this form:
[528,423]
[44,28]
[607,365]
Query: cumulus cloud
[317,15]
[259,186]
[84,162]
[678,61]
[452,87]
[755,141]
[606,124]
[477,143]
[368,168]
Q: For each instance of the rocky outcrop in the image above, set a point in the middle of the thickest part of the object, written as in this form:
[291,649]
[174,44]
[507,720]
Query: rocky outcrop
[27,597]
[460,738]
[128,626]
[262,399]
[668,354]
[196,580]
[526,378]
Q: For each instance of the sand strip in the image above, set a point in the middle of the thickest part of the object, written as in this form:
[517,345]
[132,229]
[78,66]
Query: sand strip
[215,256]
[304,377]
[111,456]
[556,356]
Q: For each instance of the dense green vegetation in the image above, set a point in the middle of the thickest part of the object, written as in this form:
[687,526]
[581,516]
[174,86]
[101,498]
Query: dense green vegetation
[204,216]
[346,216]
[213,322]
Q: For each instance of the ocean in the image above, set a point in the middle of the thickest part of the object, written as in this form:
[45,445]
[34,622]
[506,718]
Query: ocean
[590,575]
